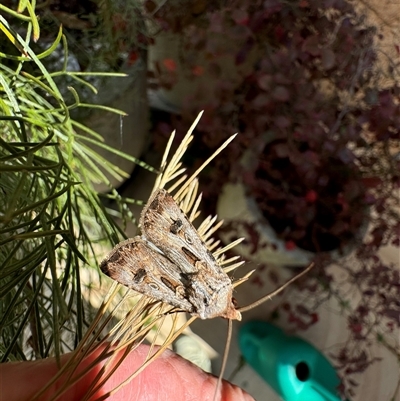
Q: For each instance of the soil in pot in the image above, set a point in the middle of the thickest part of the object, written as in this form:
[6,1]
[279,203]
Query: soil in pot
[312,201]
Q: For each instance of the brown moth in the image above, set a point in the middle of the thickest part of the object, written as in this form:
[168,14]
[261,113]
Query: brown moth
[171,263]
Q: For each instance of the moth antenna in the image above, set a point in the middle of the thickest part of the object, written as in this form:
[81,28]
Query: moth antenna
[224,358]
[277,291]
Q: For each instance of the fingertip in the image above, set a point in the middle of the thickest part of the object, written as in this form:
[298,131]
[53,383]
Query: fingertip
[226,392]
[230,392]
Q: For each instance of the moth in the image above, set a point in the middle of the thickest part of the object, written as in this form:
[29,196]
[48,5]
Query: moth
[170,262]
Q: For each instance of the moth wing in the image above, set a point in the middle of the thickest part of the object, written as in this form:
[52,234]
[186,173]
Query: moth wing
[208,287]
[136,265]
[165,225]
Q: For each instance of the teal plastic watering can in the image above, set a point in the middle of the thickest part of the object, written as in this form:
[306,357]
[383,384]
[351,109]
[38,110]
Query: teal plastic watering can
[291,366]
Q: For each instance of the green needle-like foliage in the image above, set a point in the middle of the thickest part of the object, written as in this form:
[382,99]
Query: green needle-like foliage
[52,222]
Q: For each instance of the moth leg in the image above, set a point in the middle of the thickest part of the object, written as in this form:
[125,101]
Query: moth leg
[170,312]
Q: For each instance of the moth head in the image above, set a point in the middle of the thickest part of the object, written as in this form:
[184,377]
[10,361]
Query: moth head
[231,312]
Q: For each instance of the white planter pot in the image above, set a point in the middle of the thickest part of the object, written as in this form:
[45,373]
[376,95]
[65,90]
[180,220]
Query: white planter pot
[235,207]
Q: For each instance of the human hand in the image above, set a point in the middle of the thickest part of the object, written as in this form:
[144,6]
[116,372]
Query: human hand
[169,377]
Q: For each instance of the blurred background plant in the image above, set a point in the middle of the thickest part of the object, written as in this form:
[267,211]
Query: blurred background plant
[316,99]
[52,220]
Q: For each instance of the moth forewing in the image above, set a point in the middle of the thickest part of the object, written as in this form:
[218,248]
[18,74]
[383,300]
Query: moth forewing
[167,226]
[137,266]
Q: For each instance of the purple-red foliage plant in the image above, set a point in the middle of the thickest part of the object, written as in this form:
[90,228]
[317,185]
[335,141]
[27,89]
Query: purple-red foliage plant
[332,158]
